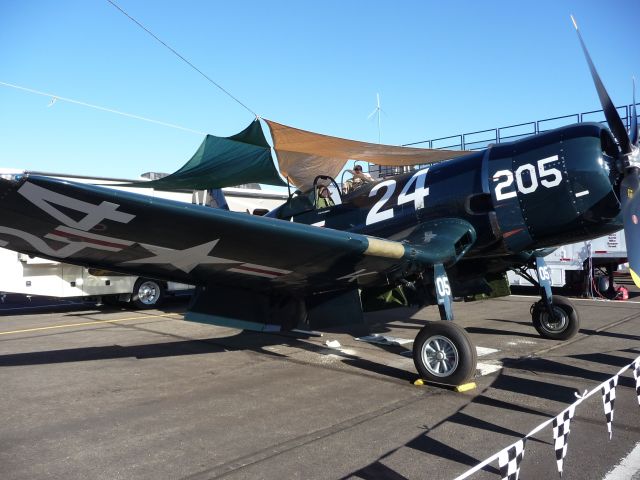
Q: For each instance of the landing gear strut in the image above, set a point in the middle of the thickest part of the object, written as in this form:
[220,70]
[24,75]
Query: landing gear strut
[554,317]
[442,351]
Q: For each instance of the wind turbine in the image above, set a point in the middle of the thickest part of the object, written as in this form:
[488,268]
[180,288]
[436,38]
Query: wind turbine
[377,111]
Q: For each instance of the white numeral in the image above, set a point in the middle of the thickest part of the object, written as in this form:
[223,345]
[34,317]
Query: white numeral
[46,199]
[506,183]
[417,197]
[547,177]
[443,287]
[532,178]
[554,172]
[375,215]
[544,273]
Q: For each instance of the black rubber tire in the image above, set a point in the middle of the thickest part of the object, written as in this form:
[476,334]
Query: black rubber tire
[147,293]
[460,358]
[568,324]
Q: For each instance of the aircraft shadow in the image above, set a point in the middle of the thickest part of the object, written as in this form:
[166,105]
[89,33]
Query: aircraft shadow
[243,340]
[526,324]
[495,331]
[257,342]
[381,369]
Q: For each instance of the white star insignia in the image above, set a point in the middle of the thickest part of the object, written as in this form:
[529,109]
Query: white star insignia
[185,260]
[428,236]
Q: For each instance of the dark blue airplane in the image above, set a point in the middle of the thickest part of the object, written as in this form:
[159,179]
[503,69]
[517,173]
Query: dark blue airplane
[444,230]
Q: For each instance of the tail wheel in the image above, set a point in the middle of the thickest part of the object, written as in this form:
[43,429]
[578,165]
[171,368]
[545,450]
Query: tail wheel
[443,353]
[147,293]
[562,325]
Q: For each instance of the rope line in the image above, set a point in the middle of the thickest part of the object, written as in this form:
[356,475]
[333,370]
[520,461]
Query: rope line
[182,58]
[98,107]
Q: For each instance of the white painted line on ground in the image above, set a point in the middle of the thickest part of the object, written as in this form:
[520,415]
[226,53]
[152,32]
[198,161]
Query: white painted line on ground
[489,367]
[484,351]
[628,468]
[521,341]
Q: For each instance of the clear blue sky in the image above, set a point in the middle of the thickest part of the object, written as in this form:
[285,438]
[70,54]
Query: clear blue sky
[441,68]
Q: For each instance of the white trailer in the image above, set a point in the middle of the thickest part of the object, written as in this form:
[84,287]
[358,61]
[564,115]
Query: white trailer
[587,266]
[23,274]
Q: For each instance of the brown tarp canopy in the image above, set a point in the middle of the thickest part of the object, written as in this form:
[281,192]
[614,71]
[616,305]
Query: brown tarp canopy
[303,155]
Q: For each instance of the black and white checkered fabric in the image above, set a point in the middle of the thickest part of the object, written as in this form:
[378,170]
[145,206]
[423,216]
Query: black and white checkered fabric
[561,426]
[636,375]
[608,400]
[509,460]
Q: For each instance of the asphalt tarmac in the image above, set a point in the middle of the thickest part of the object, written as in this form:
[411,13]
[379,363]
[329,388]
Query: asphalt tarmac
[104,393]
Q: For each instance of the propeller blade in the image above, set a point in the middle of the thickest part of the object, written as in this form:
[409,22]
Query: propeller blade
[634,118]
[629,191]
[610,112]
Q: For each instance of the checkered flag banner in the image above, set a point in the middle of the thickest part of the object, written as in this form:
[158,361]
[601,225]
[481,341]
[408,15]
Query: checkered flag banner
[636,375]
[561,434]
[609,399]
[509,460]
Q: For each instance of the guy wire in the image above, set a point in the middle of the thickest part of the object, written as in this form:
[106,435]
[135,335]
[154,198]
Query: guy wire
[182,58]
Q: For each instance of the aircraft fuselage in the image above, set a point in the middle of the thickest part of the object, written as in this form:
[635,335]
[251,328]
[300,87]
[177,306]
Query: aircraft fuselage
[539,192]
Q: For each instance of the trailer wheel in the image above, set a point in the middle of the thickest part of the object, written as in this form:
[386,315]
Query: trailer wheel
[564,324]
[147,293]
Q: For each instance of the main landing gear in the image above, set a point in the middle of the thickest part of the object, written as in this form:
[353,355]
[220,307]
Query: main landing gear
[442,351]
[553,316]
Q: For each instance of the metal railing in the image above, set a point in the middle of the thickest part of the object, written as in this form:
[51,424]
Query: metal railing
[484,138]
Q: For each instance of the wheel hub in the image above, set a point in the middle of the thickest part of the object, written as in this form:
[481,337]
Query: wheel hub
[440,356]
[148,293]
[556,322]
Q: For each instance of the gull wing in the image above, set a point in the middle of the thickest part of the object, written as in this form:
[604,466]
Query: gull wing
[135,234]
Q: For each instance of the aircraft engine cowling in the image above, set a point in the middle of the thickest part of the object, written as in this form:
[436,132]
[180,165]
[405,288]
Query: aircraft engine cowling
[555,188]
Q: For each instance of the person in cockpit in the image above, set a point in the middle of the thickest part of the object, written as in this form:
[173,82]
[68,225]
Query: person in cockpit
[359,179]
[323,197]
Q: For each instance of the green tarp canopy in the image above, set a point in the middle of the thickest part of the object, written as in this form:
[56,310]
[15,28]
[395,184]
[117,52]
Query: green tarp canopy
[224,162]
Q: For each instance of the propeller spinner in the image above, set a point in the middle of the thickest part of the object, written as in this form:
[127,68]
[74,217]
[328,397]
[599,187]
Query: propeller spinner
[628,164]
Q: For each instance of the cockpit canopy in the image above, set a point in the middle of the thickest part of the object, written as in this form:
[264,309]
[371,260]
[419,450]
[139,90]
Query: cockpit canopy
[324,194]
